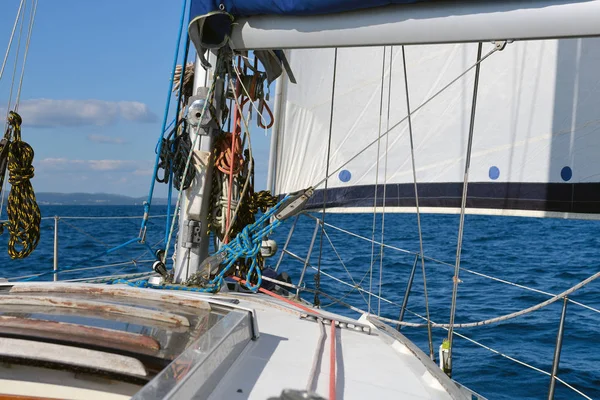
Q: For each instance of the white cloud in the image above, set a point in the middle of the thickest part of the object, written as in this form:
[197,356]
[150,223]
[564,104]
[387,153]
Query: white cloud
[143,172]
[51,113]
[106,139]
[63,164]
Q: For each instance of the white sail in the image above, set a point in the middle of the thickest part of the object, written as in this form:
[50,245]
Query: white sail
[535,144]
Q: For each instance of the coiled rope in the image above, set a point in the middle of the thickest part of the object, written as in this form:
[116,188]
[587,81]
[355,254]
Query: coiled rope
[228,160]
[23,212]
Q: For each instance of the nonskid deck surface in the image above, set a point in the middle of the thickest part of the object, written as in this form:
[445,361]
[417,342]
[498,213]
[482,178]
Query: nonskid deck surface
[150,343]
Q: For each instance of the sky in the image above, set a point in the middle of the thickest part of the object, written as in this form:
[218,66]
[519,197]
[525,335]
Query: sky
[94,92]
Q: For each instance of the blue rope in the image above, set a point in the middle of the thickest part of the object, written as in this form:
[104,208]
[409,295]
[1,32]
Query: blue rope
[169,198]
[246,245]
[165,116]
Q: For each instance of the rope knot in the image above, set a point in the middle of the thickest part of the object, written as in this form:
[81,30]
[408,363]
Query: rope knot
[249,247]
[14,119]
[19,175]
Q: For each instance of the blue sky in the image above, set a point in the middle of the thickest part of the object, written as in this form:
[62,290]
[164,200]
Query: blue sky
[94,92]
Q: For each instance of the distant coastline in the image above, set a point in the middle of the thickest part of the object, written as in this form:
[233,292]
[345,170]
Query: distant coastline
[93,199]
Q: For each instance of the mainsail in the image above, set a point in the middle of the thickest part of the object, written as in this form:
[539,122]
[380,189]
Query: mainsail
[535,142]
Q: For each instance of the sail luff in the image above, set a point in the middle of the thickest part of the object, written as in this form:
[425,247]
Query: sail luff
[421,23]
[277,117]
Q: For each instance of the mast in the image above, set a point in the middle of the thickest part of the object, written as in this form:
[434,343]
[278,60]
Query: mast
[193,236]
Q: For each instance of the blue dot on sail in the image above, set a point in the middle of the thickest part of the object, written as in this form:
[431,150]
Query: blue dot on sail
[344,175]
[566,174]
[494,172]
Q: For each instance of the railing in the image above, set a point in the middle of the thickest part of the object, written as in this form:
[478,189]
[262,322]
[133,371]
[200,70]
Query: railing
[58,271]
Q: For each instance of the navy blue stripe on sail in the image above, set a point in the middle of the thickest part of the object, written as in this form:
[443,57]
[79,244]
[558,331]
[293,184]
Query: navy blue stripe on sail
[555,197]
[249,8]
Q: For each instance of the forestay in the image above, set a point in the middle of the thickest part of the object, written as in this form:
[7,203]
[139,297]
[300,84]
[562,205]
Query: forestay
[535,147]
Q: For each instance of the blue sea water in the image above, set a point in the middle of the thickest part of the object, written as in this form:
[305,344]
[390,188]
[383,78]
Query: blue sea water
[546,254]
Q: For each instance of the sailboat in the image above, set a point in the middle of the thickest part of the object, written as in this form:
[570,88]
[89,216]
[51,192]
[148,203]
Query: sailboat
[391,106]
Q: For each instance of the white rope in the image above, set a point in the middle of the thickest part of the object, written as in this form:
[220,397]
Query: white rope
[10,40]
[240,80]
[16,63]
[31,23]
[506,316]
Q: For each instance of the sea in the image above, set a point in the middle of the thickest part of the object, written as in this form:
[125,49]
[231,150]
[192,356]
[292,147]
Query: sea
[548,255]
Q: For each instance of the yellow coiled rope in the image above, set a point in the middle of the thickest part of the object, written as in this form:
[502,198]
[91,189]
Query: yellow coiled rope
[23,212]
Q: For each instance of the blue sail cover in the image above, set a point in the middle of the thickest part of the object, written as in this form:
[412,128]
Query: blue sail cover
[247,8]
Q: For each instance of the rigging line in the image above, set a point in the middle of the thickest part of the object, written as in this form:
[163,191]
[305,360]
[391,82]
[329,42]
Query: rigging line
[495,49]
[14,74]
[376,186]
[506,316]
[523,363]
[85,233]
[435,260]
[462,210]
[385,165]
[363,290]
[251,162]
[507,357]
[414,173]
[28,41]
[318,275]
[10,40]
[344,265]
[165,117]
[247,94]
[181,130]
[100,217]
[78,269]
[527,288]
[235,135]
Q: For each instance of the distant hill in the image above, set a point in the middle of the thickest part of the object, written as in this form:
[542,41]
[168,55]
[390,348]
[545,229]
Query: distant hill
[90,199]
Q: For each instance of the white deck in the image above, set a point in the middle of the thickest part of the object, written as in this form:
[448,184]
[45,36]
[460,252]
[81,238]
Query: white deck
[261,347]
[367,365]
